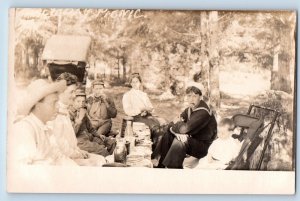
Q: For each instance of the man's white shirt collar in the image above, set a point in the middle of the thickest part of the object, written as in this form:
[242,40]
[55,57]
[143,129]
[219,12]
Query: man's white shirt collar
[38,122]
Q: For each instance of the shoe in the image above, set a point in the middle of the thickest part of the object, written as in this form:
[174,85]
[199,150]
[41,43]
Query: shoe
[112,134]
[159,166]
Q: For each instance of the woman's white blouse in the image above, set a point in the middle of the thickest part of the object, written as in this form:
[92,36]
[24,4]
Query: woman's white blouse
[135,101]
[64,133]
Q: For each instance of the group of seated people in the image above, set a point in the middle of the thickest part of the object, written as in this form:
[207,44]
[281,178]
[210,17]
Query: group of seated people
[64,126]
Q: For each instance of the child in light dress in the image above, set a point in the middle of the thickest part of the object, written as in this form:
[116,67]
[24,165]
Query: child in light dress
[223,150]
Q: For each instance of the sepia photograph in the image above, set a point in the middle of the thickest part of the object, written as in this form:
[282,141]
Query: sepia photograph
[105,98]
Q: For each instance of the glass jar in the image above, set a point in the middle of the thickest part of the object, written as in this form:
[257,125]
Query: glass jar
[120,153]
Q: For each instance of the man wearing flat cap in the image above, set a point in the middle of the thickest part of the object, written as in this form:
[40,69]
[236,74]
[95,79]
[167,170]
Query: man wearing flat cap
[32,142]
[101,109]
[87,138]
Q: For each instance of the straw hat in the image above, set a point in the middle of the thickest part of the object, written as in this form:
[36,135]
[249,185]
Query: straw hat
[36,91]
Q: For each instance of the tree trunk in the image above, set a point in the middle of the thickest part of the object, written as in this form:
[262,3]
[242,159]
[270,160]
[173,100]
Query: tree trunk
[59,21]
[130,69]
[36,59]
[124,62]
[210,57]
[111,72]
[167,77]
[27,57]
[214,60]
[204,55]
[118,66]
[23,68]
[27,64]
[280,76]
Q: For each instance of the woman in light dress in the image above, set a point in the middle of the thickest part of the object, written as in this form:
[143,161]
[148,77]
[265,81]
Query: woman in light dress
[137,104]
[63,129]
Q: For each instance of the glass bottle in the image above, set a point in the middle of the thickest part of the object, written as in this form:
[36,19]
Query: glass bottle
[129,135]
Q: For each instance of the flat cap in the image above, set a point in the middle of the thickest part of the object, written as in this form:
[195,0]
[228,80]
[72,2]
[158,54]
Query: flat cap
[97,82]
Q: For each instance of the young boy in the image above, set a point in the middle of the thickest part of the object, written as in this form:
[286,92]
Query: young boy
[223,149]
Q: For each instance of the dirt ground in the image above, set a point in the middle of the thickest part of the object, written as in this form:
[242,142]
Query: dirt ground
[164,109]
[169,109]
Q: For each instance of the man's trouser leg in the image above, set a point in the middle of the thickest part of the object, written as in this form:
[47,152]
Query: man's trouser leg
[105,128]
[175,155]
[92,147]
[178,150]
[108,142]
[166,142]
[196,148]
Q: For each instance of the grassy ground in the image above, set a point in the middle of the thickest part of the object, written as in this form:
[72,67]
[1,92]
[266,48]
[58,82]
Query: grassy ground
[241,90]
[168,109]
[164,109]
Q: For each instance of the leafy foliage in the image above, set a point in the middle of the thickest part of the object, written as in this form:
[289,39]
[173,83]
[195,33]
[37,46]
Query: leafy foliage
[168,46]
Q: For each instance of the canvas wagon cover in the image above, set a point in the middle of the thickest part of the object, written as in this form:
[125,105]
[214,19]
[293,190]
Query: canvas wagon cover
[66,48]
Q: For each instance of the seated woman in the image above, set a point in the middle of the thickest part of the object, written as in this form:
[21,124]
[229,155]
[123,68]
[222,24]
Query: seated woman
[63,129]
[137,104]
[223,150]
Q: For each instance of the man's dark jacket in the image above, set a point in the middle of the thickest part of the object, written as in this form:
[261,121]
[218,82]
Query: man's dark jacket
[199,123]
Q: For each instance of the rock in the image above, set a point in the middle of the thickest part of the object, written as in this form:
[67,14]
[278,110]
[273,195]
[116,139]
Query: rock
[166,96]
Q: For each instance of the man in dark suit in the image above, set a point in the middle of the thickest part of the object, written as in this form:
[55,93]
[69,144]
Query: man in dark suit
[100,109]
[87,137]
[192,133]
